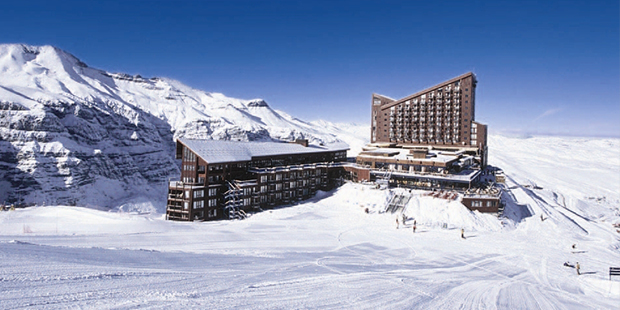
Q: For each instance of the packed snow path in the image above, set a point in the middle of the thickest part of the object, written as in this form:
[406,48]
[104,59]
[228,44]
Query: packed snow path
[329,253]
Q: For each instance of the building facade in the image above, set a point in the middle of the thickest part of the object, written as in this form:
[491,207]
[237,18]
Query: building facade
[225,179]
[442,116]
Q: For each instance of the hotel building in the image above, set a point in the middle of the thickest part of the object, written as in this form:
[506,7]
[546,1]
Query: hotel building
[441,117]
[225,179]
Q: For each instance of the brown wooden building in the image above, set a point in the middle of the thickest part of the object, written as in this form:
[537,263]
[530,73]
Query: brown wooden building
[225,179]
[442,116]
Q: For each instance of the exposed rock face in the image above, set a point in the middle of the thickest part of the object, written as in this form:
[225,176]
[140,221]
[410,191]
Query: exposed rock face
[71,134]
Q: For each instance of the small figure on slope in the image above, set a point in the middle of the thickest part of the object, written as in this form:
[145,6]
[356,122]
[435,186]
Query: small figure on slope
[404,218]
[397,223]
[462,233]
[578,267]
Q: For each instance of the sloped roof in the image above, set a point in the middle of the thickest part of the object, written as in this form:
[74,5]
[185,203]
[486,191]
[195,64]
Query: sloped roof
[222,151]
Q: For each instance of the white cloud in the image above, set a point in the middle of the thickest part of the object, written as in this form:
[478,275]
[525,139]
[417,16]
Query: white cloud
[548,113]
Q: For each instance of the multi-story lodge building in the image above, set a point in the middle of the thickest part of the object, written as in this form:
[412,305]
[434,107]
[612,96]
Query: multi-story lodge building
[223,179]
[430,140]
[442,116]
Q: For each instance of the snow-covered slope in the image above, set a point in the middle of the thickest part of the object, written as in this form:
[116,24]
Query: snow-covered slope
[71,134]
[328,253]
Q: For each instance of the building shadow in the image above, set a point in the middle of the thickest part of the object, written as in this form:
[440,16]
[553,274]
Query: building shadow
[514,210]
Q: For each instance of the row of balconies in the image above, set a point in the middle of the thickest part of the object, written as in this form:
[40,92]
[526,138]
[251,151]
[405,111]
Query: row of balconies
[453,116]
[415,109]
[422,103]
[422,132]
[426,140]
[397,117]
[418,126]
[303,176]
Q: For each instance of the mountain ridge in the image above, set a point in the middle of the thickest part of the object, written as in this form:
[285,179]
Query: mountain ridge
[72,134]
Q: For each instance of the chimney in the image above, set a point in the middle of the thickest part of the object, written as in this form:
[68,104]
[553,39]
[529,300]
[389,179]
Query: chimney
[419,152]
[303,142]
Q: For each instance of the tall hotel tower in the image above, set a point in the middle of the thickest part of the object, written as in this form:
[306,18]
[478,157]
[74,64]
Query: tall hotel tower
[442,117]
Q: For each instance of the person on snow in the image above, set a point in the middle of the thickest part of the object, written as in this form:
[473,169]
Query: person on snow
[397,223]
[462,233]
[578,267]
[404,218]
[414,228]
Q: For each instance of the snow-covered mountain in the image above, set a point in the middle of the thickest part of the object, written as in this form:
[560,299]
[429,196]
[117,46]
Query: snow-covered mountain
[71,134]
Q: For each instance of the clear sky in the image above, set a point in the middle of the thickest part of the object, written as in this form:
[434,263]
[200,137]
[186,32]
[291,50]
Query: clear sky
[547,67]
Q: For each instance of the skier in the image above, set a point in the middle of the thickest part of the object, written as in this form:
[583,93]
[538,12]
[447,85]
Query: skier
[397,223]
[404,218]
[463,233]
[577,267]
[414,227]
[366,210]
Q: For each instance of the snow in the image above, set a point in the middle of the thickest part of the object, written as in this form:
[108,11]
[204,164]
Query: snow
[75,135]
[222,151]
[328,253]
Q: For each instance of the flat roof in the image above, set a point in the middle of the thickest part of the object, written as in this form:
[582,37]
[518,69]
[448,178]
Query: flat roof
[403,154]
[465,176]
[223,151]
[380,152]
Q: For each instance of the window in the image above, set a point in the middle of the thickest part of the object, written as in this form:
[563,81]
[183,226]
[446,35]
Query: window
[247,202]
[186,194]
[199,204]
[476,203]
[247,191]
[186,205]
[263,178]
[292,184]
[199,193]
[279,186]
[212,213]
[263,189]
[278,177]
[212,191]
[490,203]
[278,195]
[212,202]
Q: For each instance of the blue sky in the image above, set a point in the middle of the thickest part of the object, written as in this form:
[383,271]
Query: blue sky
[546,67]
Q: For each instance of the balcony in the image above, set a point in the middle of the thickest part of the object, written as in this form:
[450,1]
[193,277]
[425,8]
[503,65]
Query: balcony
[175,197]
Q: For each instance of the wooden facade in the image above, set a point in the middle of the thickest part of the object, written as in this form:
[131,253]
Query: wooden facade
[483,203]
[441,115]
[214,188]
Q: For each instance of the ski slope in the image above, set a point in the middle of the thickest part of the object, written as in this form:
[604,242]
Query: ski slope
[328,253]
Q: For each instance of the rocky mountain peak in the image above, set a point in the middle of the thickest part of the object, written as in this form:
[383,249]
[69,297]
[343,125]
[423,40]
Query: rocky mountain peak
[75,135]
